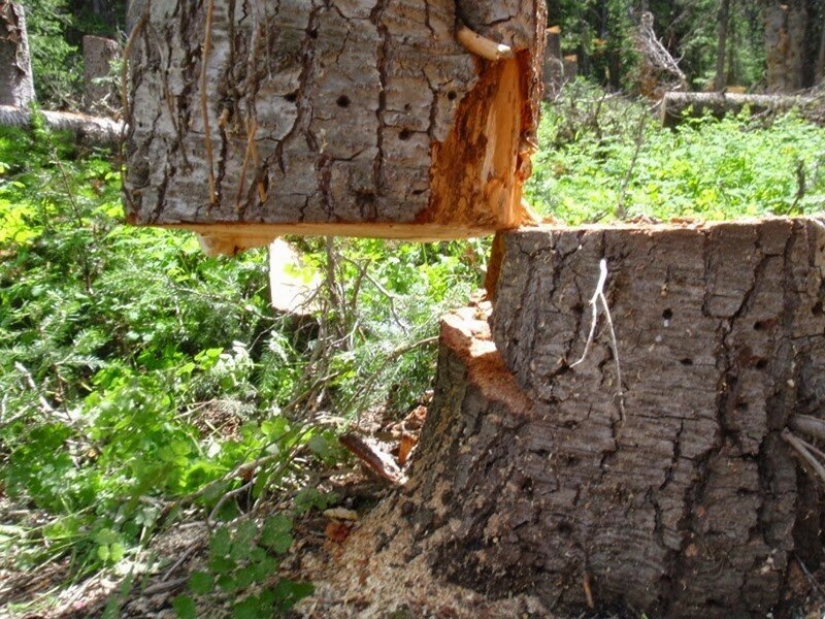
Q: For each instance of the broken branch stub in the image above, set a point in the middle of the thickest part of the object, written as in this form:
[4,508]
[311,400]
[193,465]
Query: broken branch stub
[359,118]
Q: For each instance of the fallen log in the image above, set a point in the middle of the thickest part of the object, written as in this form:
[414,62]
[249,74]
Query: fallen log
[675,490]
[88,130]
[676,106]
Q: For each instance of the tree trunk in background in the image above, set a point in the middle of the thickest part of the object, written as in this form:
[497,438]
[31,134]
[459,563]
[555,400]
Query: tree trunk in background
[249,119]
[99,97]
[820,55]
[720,81]
[16,84]
[672,491]
[786,27]
[553,69]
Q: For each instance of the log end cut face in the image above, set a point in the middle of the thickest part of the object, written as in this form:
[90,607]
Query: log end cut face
[364,118]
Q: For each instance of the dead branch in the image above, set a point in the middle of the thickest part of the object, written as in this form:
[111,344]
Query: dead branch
[806,452]
[812,426]
[482,46]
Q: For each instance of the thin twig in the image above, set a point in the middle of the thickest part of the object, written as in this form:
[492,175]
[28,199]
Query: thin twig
[402,350]
[595,313]
[250,152]
[210,520]
[182,559]
[44,403]
[598,297]
[811,580]
[802,448]
[387,294]
[812,426]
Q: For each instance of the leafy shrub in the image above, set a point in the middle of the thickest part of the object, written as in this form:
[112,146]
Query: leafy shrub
[139,377]
[242,559]
[606,157]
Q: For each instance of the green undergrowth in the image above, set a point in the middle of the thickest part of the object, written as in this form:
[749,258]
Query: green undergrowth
[143,383]
[139,378]
[605,158]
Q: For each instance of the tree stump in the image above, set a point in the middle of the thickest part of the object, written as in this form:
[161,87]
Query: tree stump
[387,118]
[675,492]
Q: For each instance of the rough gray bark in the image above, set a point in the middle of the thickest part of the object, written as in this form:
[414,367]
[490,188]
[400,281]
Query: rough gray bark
[250,119]
[530,479]
[98,55]
[16,84]
[675,104]
[88,130]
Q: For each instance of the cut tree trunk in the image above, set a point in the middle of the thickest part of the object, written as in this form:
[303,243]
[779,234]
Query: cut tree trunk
[675,491]
[676,106]
[16,84]
[248,120]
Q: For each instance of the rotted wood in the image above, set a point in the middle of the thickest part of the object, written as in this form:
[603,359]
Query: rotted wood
[675,493]
[248,120]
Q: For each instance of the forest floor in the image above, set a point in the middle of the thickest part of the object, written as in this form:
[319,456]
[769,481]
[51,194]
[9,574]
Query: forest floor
[349,580]
[338,557]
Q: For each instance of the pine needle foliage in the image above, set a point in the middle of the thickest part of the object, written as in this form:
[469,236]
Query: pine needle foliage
[139,379]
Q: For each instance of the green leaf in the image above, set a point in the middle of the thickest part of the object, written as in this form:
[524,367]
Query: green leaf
[288,593]
[227,582]
[246,533]
[247,608]
[185,607]
[104,537]
[220,543]
[222,565]
[201,582]
[246,576]
[275,533]
[116,552]
[320,445]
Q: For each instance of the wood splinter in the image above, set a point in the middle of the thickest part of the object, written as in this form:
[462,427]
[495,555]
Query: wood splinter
[482,46]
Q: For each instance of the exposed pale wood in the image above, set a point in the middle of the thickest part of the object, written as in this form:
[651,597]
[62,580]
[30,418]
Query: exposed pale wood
[229,239]
[331,119]
[529,480]
[88,130]
[482,46]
